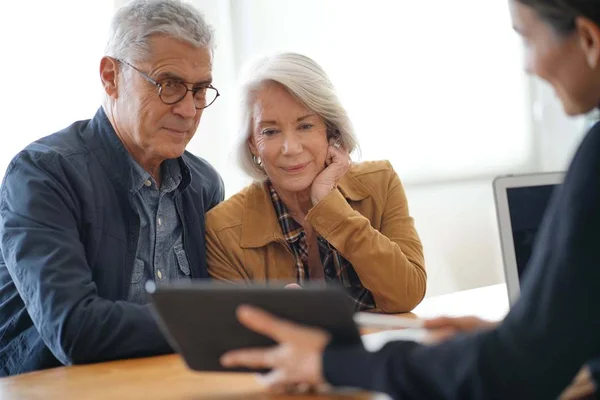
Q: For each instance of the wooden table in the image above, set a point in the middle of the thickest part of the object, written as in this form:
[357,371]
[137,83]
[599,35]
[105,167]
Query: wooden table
[167,377]
[164,377]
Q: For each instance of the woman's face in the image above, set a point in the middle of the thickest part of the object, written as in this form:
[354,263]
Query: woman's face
[569,62]
[290,139]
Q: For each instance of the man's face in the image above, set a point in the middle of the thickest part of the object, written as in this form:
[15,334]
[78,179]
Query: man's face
[151,130]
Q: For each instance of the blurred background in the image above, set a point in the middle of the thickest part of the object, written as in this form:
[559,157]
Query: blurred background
[441,95]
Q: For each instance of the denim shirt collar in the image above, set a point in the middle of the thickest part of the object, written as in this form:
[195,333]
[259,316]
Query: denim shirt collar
[171,176]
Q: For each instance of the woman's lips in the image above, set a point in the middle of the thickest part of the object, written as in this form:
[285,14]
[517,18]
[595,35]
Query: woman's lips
[295,168]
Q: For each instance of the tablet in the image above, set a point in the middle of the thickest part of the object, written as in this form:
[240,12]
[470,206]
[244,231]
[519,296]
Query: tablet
[199,318]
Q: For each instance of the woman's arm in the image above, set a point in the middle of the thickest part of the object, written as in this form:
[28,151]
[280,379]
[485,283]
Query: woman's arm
[389,261]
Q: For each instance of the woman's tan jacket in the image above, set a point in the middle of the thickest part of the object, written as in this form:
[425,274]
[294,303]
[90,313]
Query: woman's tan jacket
[366,219]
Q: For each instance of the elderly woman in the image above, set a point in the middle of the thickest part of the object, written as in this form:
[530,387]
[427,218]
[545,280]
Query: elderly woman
[312,214]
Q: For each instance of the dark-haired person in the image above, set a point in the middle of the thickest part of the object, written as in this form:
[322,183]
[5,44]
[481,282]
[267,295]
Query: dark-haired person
[553,329]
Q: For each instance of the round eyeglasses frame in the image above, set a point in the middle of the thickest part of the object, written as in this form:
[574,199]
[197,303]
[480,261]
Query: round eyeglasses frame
[160,86]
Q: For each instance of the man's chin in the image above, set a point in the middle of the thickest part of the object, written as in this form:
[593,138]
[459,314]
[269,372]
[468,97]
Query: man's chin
[172,153]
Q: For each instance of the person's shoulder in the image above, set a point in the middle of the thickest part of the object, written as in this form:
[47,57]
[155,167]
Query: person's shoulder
[66,142]
[229,213]
[580,192]
[371,170]
[369,167]
[592,138]
[202,171]
[586,156]
[50,151]
[372,179]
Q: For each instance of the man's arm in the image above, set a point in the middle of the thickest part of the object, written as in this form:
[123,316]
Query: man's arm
[40,242]
[214,192]
[219,193]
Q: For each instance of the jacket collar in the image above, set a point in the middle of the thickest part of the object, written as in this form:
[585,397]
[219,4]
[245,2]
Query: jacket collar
[113,156]
[259,220]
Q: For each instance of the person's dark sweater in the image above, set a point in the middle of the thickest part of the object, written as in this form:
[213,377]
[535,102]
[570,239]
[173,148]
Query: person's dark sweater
[544,340]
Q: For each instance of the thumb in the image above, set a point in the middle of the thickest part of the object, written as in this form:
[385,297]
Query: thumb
[440,322]
[292,286]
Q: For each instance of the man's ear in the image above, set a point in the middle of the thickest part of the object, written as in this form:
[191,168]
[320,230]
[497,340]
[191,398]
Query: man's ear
[589,40]
[109,74]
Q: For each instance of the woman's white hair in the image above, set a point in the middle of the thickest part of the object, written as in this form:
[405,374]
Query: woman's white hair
[134,24]
[304,79]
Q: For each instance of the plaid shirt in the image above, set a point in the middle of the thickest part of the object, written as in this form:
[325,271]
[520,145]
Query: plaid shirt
[336,268]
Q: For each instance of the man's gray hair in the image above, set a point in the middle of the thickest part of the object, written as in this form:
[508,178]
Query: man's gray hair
[136,22]
[304,79]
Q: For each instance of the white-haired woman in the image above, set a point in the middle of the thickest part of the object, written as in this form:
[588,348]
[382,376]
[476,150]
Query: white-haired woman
[312,214]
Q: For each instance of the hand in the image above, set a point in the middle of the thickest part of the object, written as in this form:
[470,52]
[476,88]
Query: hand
[443,328]
[292,286]
[582,387]
[295,360]
[338,161]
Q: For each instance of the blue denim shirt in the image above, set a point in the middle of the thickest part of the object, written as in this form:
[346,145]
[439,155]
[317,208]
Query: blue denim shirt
[69,234]
[160,254]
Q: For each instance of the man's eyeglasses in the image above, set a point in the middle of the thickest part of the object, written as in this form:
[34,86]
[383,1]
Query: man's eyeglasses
[171,91]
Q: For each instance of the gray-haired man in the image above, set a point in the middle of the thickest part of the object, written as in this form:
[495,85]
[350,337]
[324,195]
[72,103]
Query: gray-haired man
[90,213]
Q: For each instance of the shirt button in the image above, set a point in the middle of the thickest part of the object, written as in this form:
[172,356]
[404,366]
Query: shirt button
[159,274]
[147,183]
[159,222]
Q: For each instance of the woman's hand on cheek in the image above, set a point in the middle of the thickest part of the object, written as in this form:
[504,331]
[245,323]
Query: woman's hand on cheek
[337,163]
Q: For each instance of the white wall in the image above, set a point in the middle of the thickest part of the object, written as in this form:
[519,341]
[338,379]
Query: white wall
[457,220]
[50,60]
[457,224]
[213,138]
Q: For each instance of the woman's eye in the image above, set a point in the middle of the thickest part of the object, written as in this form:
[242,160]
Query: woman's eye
[306,126]
[268,132]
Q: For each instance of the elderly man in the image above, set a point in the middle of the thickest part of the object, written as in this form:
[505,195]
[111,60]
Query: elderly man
[91,213]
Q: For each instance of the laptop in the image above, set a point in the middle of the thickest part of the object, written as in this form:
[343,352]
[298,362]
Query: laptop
[521,201]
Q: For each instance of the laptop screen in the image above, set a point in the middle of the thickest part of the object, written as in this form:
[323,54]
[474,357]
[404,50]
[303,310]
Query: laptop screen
[526,207]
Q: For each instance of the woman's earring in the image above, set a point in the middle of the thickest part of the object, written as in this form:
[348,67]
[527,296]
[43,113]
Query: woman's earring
[257,160]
